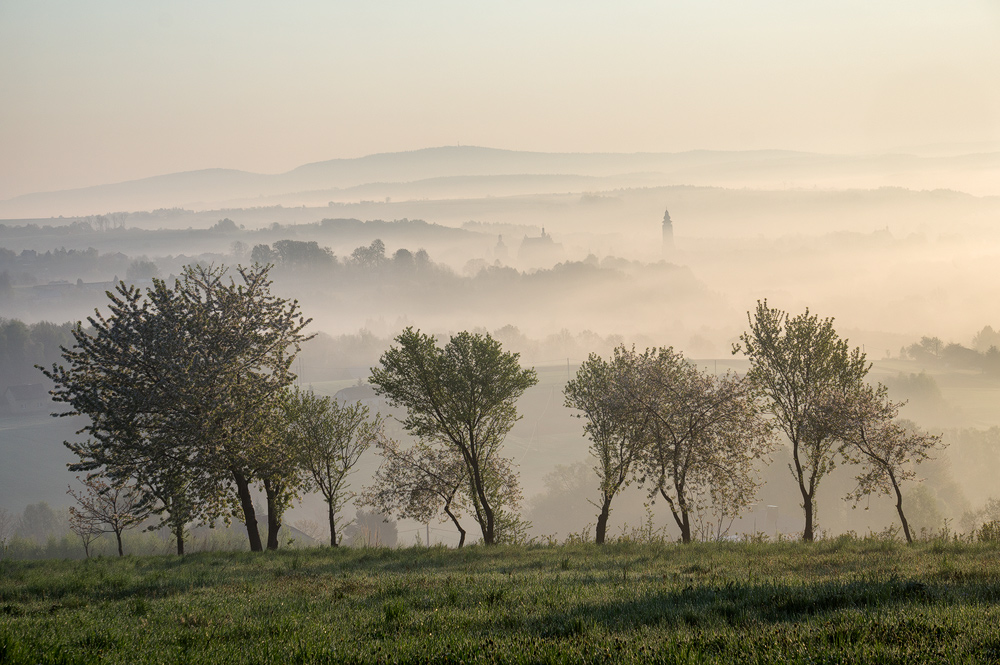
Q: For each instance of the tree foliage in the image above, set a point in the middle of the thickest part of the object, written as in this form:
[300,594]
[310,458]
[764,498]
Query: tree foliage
[179,384]
[461,396]
[613,423]
[797,363]
[328,439]
[692,438]
[703,435]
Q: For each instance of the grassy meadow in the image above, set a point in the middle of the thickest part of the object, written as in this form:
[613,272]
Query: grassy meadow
[839,600]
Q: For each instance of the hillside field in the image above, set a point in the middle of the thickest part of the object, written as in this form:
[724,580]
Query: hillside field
[839,600]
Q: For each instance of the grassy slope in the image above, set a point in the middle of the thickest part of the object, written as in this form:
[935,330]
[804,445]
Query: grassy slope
[834,601]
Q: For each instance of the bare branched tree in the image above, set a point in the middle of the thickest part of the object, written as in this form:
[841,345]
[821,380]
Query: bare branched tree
[106,507]
[419,482]
[887,449]
[329,439]
[703,436]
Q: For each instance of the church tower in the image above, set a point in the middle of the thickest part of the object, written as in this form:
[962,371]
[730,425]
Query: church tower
[668,235]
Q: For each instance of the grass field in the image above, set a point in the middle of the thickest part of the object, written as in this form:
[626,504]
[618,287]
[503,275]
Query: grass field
[842,600]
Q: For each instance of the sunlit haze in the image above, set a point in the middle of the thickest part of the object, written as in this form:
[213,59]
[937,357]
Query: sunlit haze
[567,177]
[110,91]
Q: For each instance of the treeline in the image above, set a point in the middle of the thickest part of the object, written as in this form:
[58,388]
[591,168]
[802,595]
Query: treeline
[983,355]
[187,386]
[29,267]
[22,346]
[90,224]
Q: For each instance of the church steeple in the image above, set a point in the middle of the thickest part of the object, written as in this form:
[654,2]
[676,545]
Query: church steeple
[668,234]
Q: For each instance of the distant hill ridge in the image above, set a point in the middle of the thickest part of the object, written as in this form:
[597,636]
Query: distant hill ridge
[208,188]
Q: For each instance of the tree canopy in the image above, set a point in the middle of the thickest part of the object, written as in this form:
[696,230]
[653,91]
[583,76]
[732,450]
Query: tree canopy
[464,396]
[328,439]
[797,363]
[180,383]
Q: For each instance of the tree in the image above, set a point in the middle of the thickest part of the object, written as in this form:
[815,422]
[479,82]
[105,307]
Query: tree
[302,255]
[371,256]
[225,226]
[39,521]
[328,439]
[702,434]
[986,339]
[178,384]
[276,463]
[87,529]
[141,269]
[462,396]
[418,482]
[104,507]
[263,254]
[887,450]
[371,529]
[613,423]
[797,362]
[8,523]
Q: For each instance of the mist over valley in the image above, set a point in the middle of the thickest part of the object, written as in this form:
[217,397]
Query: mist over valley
[556,267]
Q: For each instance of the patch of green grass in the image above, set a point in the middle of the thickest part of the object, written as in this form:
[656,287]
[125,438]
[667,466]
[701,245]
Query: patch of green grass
[843,600]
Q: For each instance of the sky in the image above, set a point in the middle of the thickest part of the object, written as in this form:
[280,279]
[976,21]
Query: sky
[112,90]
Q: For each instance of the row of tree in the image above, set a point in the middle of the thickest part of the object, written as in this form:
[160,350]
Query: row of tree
[299,255]
[693,439]
[188,392]
[23,346]
[984,355]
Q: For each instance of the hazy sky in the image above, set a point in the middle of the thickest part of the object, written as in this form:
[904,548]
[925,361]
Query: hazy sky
[103,91]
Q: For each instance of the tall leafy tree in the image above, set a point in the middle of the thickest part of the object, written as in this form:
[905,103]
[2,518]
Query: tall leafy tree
[461,396]
[797,362]
[179,383]
[613,423]
[121,373]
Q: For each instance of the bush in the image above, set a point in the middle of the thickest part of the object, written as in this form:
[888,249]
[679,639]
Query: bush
[989,532]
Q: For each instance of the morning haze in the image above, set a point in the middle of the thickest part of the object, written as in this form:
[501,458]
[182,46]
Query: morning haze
[510,171]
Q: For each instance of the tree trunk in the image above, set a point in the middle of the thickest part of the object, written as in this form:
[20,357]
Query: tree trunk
[179,535]
[489,537]
[483,509]
[682,520]
[807,496]
[249,513]
[490,530]
[118,535]
[333,524]
[899,509]
[273,515]
[807,505]
[461,531]
[602,520]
